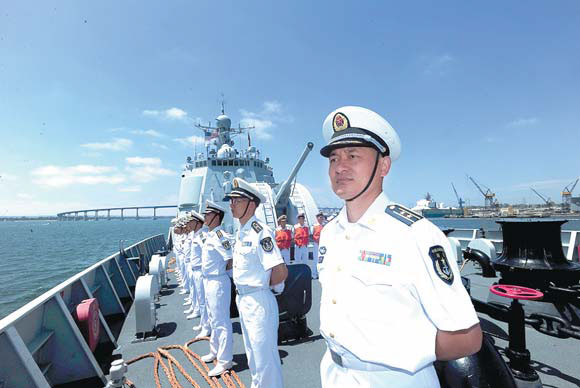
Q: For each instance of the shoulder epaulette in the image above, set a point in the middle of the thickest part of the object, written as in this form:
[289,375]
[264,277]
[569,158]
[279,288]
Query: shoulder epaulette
[403,214]
[257,227]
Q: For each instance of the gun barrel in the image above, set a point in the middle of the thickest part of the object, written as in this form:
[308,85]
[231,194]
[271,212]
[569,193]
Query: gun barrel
[284,192]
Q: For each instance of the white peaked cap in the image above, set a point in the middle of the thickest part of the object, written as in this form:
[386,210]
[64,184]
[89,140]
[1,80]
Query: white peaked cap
[211,206]
[352,126]
[243,189]
[197,216]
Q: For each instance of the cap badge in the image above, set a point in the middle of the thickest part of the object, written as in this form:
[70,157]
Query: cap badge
[236,184]
[340,122]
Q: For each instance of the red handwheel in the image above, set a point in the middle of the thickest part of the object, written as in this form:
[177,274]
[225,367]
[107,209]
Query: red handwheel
[516,292]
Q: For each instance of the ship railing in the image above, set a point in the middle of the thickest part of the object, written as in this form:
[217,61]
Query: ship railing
[570,240]
[41,342]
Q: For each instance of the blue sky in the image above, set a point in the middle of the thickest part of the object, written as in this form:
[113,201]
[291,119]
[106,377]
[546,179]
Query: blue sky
[98,99]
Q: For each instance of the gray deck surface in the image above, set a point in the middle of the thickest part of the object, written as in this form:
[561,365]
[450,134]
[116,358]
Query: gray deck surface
[556,360]
[300,361]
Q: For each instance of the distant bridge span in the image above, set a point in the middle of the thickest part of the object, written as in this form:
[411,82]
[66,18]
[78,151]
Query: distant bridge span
[76,215]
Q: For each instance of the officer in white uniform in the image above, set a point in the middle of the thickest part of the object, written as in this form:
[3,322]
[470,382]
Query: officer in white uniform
[258,266]
[178,248]
[216,255]
[392,303]
[186,279]
[196,293]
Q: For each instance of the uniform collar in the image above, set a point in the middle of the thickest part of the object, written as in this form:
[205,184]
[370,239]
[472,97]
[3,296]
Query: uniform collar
[369,218]
[248,224]
[217,229]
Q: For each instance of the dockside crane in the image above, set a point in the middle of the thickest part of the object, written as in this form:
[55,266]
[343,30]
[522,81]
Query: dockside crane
[460,200]
[548,201]
[567,194]
[489,196]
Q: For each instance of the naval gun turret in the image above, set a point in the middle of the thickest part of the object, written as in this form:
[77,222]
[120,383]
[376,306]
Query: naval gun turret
[285,189]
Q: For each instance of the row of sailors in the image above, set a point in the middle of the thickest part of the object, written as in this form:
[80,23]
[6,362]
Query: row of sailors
[299,235]
[206,259]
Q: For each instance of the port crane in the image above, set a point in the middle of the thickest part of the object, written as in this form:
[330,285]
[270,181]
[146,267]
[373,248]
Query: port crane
[548,201]
[489,196]
[459,199]
[567,193]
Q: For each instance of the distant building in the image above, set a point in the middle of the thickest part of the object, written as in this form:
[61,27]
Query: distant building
[575,204]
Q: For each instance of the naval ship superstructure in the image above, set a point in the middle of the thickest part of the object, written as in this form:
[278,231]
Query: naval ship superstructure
[208,176]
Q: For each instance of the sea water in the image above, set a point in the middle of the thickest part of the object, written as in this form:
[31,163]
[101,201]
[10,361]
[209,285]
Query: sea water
[35,256]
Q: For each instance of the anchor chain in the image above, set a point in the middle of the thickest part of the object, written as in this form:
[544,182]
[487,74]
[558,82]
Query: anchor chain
[544,323]
[553,326]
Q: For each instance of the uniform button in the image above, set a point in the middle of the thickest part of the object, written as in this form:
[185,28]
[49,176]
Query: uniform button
[338,268]
[333,301]
[331,335]
[347,237]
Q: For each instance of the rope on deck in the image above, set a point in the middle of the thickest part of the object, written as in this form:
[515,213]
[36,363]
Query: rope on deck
[230,378]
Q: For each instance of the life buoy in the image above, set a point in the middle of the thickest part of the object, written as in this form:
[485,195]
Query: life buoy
[88,320]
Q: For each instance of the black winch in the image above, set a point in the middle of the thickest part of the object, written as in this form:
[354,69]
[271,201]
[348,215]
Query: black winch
[532,255]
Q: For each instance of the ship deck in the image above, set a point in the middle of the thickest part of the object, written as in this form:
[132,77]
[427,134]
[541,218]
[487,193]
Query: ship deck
[300,359]
[556,360]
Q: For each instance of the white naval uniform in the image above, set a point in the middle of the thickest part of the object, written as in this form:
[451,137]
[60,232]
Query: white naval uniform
[186,259]
[196,290]
[179,242]
[383,299]
[255,254]
[216,252]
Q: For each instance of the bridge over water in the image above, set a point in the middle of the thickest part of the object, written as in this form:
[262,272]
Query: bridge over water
[118,212]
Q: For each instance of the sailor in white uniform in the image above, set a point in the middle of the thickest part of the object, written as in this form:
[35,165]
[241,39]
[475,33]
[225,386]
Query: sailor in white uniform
[392,303]
[196,291]
[186,251]
[258,266]
[216,256]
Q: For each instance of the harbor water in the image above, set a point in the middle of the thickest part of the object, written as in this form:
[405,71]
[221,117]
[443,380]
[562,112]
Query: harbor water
[37,255]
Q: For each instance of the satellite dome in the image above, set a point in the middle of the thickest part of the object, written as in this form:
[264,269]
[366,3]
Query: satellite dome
[224,152]
[223,121]
[240,172]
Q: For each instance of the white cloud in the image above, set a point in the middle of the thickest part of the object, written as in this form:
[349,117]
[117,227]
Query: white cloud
[138,160]
[265,120]
[191,140]
[169,114]
[162,146]
[130,189]
[7,177]
[522,122]
[24,196]
[439,64]
[83,174]
[145,169]
[117,144]
[149,132]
